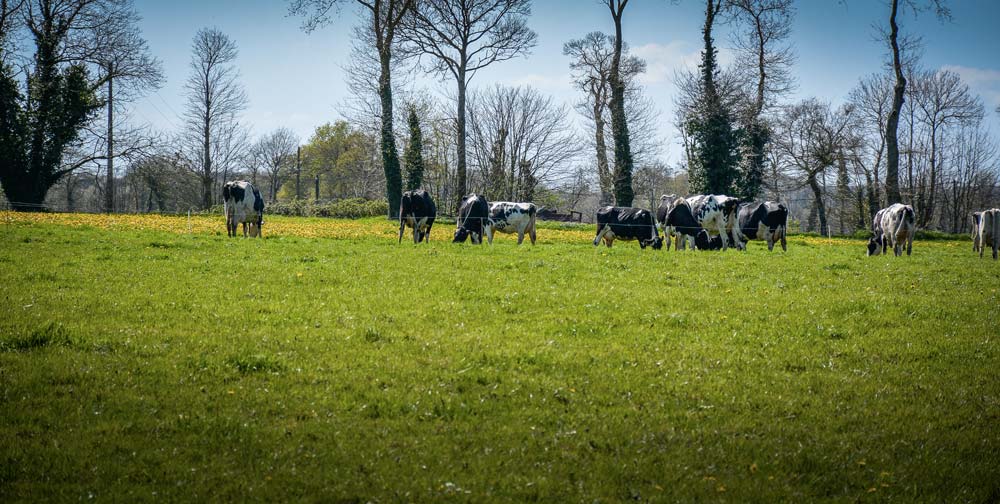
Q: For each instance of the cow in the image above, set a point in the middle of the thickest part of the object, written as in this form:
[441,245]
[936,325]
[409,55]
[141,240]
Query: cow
[977,218]
[508,217]
[417,210]
[763,221]
[717,214]
[677,219]
[243,205]
[627,223]
[473,219]
[715,242]
[989,231]
[893,226]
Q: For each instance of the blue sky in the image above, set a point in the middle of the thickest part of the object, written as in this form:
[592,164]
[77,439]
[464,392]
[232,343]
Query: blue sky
[296,80]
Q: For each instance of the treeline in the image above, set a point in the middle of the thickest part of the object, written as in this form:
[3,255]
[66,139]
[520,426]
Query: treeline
[70,70]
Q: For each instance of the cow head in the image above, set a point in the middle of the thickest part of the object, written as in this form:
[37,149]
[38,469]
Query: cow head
[461,234]
[702,241]
[656,243]
[874,246]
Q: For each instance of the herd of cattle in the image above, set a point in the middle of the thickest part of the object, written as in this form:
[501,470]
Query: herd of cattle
[701,222]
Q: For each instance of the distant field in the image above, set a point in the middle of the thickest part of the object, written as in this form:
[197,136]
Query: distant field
[146,357]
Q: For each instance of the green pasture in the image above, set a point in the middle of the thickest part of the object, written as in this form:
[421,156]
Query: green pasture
[150,365]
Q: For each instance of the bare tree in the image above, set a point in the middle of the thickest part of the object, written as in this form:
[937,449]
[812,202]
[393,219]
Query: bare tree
[385,17]
[215,100]
[871,100]
[764,58]
[811,138]
[462,37]
[122,57]
[898,93]
[942,100]
[275,152]
[520,140]
[591,64]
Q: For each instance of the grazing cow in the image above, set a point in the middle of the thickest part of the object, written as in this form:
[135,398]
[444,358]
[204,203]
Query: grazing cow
[678,220]
[243,205]
[715,242]
[977,218]
[417,210]
[627,223]
[473,219]
[989,231]
[717,214]
[508,217]
[764,221]
[893,226]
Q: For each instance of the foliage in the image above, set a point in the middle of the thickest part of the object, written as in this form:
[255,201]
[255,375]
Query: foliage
[714,143]
[345,208]
[36,128]
[288,368]
[414,154]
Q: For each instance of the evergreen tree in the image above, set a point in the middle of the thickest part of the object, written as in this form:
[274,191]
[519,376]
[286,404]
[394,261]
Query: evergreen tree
[414,154]
[714,141]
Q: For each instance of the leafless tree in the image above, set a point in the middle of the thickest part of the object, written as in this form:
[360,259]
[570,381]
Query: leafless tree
[381,28]
[461,37]
[899,90]
[122,57]
[592,57]
[871,100]
[9,23]
[942,100]
[275,154]
[215,98]
[764,57]
[974,173]
[811,138]
[520,140]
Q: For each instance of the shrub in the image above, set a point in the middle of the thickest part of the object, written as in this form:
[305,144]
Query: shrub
[350,208]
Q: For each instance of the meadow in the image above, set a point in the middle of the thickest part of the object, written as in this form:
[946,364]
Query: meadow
[152,358]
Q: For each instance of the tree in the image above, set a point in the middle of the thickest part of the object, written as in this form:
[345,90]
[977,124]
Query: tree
[520,139]
[709,124]
[764,61]
[871,100]
[898,92]
[462,37]
[215,99]
[385,18]
[942,100]
[276,152]
[811,138]
[44,119]
[122,57]
[414,154]
[592,60]
[619,122]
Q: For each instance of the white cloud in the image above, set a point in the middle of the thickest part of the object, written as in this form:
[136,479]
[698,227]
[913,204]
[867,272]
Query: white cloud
[984,81]
[663,60]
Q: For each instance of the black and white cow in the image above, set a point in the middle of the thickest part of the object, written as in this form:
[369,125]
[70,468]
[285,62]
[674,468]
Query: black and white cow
[473,219]
[893,226]
[508,217]
[989,231]
[417,211]
[715,242]
[717,214]
[627,223]
[764,221]
[677,219]
[243,205]
[977,219]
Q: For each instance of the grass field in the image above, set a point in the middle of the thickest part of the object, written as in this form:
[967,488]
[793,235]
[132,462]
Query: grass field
[150,358]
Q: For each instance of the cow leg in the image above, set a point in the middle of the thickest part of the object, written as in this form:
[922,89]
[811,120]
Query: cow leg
[531,231]
[909,243]
[608,241]
[784,246]
[401,226]
[488,229]
[722,234]
[520,237]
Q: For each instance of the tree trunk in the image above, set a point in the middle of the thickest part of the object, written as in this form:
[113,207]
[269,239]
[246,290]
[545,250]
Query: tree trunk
[206,176]
[603,172]
[928,215]
[624,193]
[460,131]
[390,158]
[892,124]
[819,205]
[109,190]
